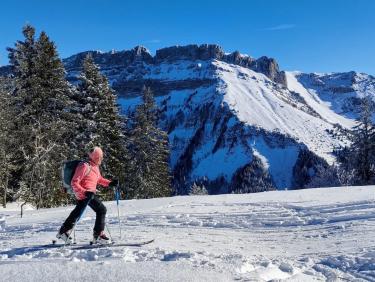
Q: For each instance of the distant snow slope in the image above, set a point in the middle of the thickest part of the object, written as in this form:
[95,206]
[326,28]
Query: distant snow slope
[323,108]
[341,92]
[306,235]
[226,114]
[260,102]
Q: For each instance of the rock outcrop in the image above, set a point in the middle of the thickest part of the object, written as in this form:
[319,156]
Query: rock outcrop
[110,59]
[205,52]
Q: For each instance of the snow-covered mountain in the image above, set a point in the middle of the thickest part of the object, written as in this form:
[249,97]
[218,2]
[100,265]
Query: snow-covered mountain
[340,91]
[234,120]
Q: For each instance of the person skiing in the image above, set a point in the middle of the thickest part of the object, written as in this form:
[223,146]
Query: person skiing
[84,182]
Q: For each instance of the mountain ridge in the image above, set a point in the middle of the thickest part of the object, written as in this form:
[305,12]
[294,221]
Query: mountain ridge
[235,123]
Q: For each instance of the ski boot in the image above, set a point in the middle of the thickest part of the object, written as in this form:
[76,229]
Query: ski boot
[100,239]
[65,237]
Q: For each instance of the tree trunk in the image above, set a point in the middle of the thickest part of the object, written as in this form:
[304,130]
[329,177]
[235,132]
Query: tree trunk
[22,208]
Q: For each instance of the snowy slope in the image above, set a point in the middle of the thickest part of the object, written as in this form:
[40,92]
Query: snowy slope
[238,115]
[258,101]
[323,108]
[307,235]
[341,92]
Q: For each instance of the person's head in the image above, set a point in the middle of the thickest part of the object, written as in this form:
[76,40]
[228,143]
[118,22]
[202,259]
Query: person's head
[96,155]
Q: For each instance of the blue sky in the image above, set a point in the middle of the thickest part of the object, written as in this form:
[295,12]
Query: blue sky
[306,35]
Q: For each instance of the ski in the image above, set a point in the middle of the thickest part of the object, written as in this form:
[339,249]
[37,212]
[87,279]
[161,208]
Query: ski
[36,248]
[94,246]
[112,244]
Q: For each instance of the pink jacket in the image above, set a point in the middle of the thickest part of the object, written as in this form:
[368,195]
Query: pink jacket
[82,183]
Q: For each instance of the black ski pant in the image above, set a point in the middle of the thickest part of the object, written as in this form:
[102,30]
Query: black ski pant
[93,202]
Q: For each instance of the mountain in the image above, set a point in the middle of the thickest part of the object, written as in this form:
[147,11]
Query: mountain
[236,123]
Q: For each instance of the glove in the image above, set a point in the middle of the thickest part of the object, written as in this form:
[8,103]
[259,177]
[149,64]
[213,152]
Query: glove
[113,183]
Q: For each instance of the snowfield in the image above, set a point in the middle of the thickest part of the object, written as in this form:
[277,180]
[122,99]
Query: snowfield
[258,101]
[307,235]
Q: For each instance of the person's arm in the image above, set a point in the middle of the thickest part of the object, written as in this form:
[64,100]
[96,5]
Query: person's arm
[103,181]
[79,174]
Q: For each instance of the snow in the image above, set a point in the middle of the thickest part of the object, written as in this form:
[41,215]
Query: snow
[180,70]
[312,99]
[279,161]
[224,161]
[336,90]
[2,223]
[257,101]
[305,235]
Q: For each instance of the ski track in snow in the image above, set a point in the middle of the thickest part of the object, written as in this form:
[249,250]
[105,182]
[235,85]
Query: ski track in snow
[309,235]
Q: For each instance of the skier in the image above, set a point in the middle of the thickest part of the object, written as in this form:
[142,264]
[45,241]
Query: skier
[85,179]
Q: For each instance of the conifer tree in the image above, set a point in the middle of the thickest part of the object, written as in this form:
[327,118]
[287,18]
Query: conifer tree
[101,124]
[150,176]
[6,141]
[42,124]
[362,150]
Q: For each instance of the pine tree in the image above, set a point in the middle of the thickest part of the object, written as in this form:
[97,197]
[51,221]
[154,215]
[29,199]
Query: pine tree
[101,123]
[22,59]
[362,150]
[42,123]
[89,100]
[197,190]
[6,141]
[252,178]
[150,176]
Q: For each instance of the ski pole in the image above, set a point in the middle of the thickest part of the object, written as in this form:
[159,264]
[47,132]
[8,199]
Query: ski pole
[117,195]
[110,236]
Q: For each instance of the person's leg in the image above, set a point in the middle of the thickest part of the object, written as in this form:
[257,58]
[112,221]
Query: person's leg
[97,205]
[73,216]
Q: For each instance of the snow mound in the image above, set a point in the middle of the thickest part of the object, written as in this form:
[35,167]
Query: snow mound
[359,266]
